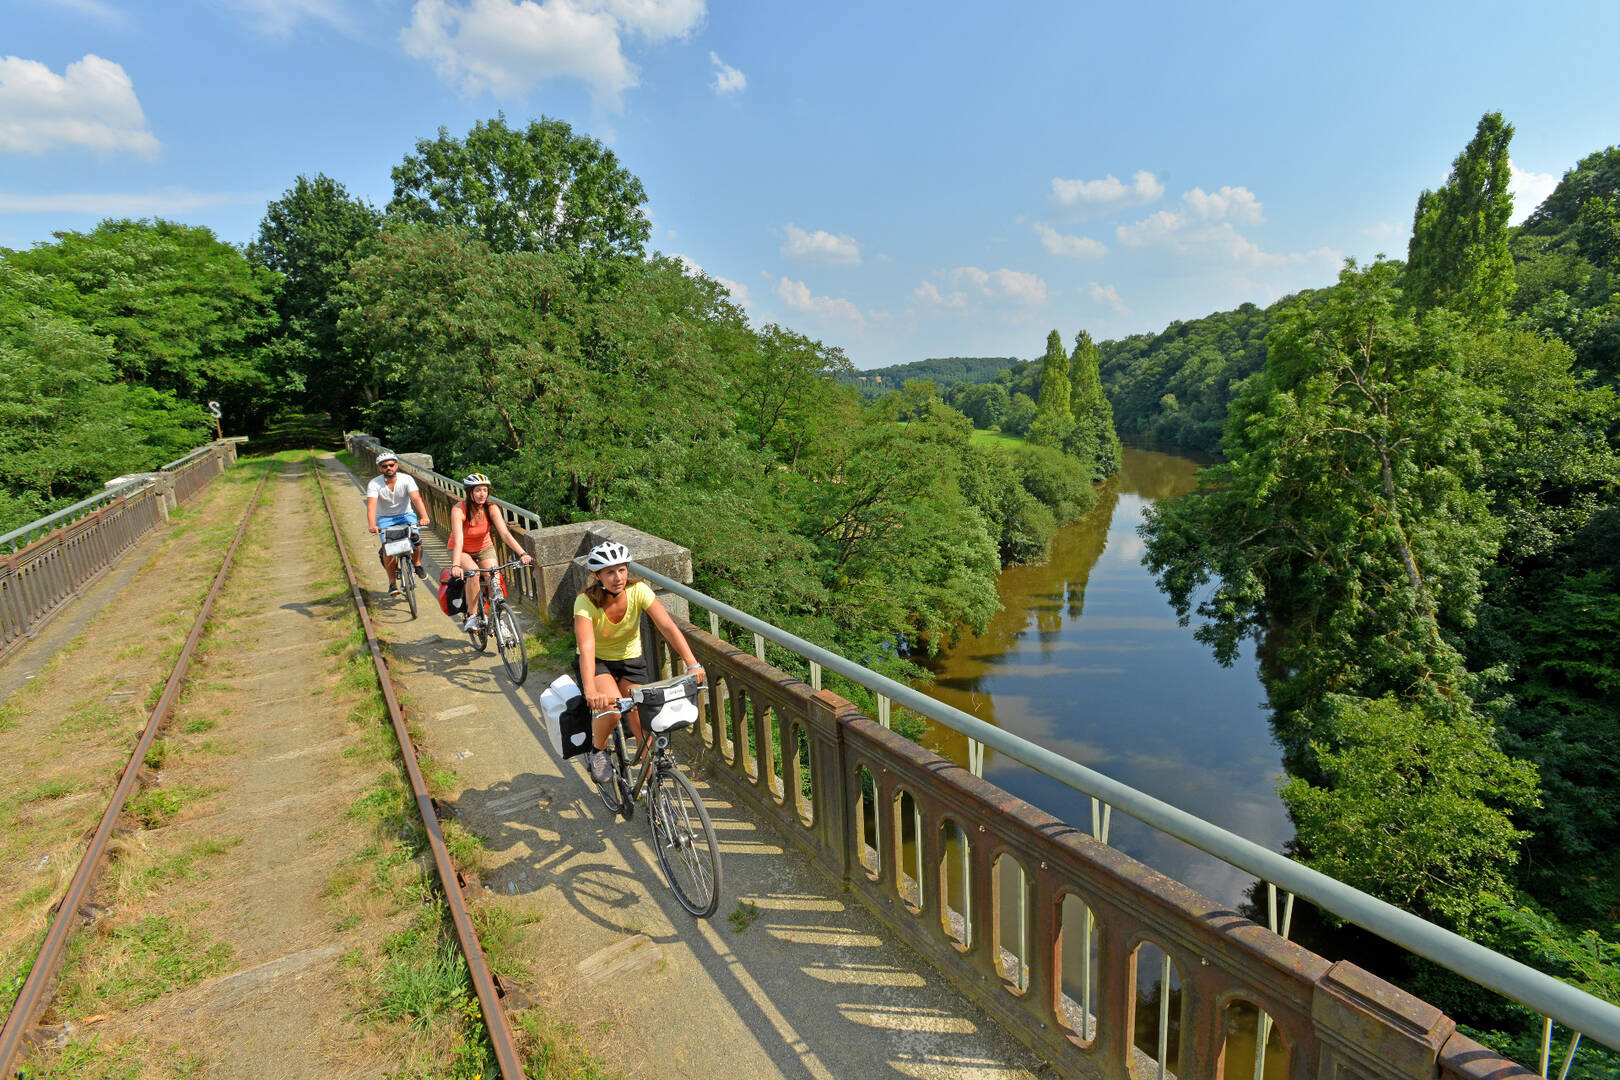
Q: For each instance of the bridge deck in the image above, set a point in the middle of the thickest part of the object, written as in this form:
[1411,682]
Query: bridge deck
[811,988]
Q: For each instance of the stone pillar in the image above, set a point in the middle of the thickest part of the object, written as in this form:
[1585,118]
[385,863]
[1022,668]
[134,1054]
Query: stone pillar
[1370,1030]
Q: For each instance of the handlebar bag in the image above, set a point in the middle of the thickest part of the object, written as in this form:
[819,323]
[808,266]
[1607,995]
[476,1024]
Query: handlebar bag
[397,540]
[668,706]
[567,716]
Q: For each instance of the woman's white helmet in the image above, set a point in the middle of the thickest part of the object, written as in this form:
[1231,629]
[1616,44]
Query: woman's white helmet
[606,554]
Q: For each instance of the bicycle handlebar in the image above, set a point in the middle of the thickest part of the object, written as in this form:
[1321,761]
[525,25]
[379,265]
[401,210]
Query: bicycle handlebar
[488,569]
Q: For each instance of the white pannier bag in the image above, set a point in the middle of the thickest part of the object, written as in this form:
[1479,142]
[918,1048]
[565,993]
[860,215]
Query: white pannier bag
[568,720]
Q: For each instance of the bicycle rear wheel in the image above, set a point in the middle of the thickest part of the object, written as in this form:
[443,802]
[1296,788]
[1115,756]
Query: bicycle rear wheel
[480,637]
[510,643]
[685,842]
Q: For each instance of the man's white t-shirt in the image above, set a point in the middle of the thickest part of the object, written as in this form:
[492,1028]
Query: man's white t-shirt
[391,503]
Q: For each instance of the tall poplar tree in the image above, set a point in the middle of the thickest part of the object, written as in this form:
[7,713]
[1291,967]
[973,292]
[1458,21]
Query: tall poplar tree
[1458,257]
[1091,408]
[1055,378]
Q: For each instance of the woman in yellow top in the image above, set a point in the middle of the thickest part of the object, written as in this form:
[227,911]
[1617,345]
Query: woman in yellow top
[607,626]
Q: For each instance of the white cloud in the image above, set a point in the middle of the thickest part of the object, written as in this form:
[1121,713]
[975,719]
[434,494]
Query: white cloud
[1228,204]
[797,295]
[507,47]
[929,293]
[105,13]
[1206,229]
[1075,247]
[92,104]
[1007,284]
[128,204]
[278,18]
[820,246]
[727,79]
[654,20]
[1107,193]
[1529,189]
[1106,294]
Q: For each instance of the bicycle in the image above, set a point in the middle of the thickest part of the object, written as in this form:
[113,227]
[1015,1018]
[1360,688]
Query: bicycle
[497,615]
[683,836]
[399,542]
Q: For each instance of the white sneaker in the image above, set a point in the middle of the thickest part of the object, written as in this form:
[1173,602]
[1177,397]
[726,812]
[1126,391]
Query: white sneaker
[473,623]
[601,766]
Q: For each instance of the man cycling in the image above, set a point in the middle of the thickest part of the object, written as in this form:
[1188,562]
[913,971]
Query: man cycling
[389,498]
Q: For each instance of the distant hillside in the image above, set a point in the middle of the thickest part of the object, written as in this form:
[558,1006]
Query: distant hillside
[941,371]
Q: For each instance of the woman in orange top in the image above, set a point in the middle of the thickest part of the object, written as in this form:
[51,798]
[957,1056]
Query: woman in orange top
[472,547]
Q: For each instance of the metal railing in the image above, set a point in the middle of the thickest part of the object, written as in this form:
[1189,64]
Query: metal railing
[54,559]
[1555,1000]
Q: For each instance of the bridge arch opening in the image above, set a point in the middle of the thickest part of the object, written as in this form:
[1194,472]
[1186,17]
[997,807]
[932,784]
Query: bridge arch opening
[1245,1028]
[908,831]
[799,776]
[1080,953]
[1156,997]
[866,824]
[956,884]
[1011,920]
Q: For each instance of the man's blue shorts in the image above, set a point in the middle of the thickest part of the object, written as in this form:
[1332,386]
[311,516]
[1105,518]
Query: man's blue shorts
[407,518]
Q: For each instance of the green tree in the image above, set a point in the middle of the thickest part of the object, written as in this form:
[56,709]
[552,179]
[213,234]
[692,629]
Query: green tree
[1458,257]
[1597,231]
[786,391]
[1347,527]
[1092,412]
[1417,808]
[986,404]
[186,313]
[67,421]
[309,236]
[541,188]
[1054,397]
[1021,413]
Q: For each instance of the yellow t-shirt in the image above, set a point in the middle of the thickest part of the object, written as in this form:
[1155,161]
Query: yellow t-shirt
[618,640]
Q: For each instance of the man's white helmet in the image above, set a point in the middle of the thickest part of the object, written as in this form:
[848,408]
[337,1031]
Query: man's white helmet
[606,554]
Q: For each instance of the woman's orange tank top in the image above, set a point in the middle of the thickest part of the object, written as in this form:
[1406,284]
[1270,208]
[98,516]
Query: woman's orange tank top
[475,534]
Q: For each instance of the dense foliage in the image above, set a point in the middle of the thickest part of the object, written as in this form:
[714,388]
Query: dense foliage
[945,371]
[110,342]
[1417,521]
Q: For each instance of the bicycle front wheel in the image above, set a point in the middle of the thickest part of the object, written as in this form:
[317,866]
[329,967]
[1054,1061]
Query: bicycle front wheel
[407,577]
[684,840]
[510,643]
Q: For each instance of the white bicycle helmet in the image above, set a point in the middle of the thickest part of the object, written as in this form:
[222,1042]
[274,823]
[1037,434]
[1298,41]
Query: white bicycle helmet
[606,554]
[474,479]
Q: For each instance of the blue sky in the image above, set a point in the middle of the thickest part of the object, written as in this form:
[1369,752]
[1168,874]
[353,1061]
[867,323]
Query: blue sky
[903,181]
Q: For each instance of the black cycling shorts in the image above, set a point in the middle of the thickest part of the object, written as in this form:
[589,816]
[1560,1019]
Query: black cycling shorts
[631,671]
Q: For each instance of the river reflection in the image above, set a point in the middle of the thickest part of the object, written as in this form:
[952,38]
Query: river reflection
[1087,659]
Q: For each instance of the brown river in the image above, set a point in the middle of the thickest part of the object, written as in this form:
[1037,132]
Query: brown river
[1086,658]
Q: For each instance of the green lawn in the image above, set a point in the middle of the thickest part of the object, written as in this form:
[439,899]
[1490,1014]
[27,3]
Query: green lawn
[995,438]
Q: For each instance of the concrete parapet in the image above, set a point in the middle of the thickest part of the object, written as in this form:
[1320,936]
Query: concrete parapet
[1371,1030]
[559,552]
[163,482]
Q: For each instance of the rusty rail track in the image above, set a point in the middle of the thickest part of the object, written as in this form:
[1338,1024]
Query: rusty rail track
[36,988]
[485,983]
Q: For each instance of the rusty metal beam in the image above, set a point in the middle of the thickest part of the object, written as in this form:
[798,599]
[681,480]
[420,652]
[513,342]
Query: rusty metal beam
[489,994]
